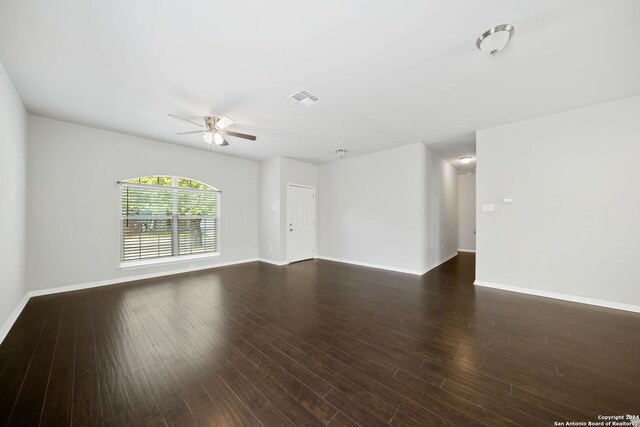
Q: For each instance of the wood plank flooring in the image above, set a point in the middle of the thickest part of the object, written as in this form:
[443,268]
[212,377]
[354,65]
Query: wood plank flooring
[312,344]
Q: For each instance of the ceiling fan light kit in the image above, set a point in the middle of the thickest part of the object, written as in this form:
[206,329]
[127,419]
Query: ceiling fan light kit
[218,139]
[495,38]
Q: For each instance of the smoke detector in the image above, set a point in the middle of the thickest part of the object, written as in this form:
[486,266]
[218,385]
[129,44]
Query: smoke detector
[341,153]
[304,98]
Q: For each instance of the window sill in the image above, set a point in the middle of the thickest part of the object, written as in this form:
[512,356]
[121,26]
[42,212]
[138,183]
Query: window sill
[131,265]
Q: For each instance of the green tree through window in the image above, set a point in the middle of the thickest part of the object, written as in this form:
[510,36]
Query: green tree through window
[164,216]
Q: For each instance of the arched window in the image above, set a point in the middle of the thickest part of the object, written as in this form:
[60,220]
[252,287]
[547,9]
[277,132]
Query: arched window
[167,216]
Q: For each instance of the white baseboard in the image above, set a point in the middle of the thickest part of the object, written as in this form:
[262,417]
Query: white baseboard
[132,278]
[466,250]
[328,258]
[387,267]
[437,264]
[6,326]
[371,265]
[270,261]
[565,297]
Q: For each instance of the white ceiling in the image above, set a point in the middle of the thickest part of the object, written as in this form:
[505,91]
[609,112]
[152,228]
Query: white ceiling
[388,73]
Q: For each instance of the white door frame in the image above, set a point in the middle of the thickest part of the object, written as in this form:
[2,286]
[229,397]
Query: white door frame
[315,232]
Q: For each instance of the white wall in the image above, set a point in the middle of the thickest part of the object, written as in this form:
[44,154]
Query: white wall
[467,212]
[270,209]
[13,141]
[439,219]
[368,208]
[73,200]
[575,229]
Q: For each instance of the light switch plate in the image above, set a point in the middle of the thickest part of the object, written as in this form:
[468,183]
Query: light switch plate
[488,207]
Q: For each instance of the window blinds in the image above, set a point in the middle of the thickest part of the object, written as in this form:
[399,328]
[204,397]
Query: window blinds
[158,221]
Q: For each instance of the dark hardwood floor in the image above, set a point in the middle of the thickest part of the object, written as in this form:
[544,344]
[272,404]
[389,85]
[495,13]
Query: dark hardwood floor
[316,343]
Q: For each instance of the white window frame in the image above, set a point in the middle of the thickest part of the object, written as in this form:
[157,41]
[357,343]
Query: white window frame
[175,259]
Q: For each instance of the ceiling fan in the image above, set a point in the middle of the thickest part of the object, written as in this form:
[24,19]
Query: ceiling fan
[213,130]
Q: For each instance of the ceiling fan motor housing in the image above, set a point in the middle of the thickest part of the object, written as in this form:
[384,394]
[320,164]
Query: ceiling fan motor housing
[210,121]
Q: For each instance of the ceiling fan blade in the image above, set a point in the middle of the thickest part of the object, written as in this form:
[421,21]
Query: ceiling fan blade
[241,135]
[223,122]
[189,131]
[225,143]
[186,120]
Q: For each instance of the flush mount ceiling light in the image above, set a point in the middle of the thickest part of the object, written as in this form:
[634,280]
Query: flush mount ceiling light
[495,39]
[466,160]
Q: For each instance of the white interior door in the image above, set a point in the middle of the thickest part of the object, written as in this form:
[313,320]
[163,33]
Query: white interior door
[301,222]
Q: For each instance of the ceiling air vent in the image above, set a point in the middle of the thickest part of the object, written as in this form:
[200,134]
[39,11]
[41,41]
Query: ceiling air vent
[305,98]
